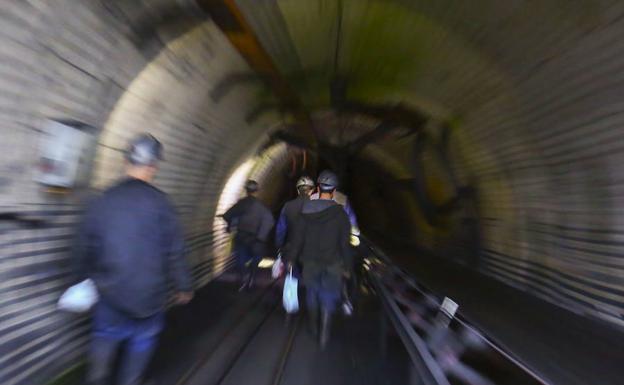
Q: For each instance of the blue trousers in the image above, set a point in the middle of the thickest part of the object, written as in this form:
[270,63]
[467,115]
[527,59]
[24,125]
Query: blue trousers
[245,255]
[318,294]
[113,330]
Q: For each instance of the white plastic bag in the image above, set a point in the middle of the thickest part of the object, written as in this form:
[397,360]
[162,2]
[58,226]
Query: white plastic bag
[278,268]
[79,298]
[290,299]
[347,305]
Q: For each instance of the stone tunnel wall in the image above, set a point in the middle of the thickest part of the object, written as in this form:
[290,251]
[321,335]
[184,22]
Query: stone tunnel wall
[544,155]
[81,60]
[542,147]
[533,92]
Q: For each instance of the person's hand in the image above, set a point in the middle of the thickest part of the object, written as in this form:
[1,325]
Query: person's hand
[346,274]
[183,297]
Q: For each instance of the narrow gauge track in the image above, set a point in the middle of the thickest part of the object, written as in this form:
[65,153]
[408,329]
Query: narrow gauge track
[219,362]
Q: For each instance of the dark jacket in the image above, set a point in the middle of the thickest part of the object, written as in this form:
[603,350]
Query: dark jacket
[321,241]
[131,246]
[288,219]
[253,222]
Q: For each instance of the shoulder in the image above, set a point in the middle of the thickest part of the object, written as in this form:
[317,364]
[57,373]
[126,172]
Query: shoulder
[134,185]
[338,209]
[265,209]
[262,208]
[156,195]
[293,203]
[340,198]
[239,206]
[164,200]
[156,191]
[256,202]
[340,212]
[147,192]
[93,203]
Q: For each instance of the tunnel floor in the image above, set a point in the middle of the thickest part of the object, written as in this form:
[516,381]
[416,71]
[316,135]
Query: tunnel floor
[564,347]
[227,337]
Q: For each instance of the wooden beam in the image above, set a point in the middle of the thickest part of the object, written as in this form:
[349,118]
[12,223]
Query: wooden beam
[229,18]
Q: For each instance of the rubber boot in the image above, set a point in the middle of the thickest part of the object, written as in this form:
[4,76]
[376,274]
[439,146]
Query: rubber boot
[252,278]
[244,282]
[313,322]
[325,328]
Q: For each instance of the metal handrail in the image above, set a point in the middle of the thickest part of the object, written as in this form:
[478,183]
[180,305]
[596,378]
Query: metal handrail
[428,369]
[431,369]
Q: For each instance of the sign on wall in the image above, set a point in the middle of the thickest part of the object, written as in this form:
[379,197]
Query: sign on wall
[67,150]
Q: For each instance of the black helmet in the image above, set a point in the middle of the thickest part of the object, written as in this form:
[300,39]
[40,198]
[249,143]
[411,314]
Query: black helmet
[144,150]
[327,181]
[251,186]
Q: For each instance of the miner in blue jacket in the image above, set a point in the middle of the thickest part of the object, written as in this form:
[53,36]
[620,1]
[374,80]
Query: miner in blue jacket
[132,248]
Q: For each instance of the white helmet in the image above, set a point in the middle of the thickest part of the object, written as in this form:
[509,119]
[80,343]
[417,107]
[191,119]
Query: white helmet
[305,181]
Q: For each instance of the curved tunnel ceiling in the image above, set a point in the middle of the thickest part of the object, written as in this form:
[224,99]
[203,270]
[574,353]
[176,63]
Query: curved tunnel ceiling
[522,109]
[518,134]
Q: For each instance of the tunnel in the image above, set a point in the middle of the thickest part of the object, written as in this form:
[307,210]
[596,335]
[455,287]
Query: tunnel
[478,142]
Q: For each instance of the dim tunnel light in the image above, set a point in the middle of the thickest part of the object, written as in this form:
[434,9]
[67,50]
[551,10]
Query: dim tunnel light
[266,263]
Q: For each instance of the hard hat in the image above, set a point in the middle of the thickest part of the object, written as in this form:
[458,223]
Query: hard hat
[327,181]
[144,150]
[251,186]
[305,181]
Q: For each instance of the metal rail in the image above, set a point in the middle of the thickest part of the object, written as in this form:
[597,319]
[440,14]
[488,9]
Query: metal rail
[193,374]
[429,371]
[444,349]
[202,360]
